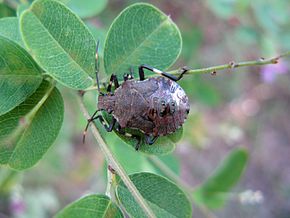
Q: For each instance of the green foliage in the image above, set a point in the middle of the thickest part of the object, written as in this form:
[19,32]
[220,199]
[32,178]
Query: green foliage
[163,196]
[214,192]
[90,207]
[134,161]
[28,131]
[86,8]
[19,75]
[61,44]
[9,28]
[141,34]
[6,11]
[49,43]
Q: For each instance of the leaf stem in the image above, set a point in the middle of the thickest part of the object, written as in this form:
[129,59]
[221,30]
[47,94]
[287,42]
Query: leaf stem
[113,162]
[232,65]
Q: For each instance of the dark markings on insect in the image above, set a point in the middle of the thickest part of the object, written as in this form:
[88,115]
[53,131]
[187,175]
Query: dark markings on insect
[156,106]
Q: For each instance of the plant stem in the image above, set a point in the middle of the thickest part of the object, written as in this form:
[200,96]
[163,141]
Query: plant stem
[233,65]
[230,65]
[109,183]
[113,162]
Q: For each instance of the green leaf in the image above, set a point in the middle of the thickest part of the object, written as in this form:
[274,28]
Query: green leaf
[9,28]
[6,11]
[86,8]
[213,192]
[141,34]
[19,75]
[60,43]
[91,206]
[28,131]
[163,197]
[134,161]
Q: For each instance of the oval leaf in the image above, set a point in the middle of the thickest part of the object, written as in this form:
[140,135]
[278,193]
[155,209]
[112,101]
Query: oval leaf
[163,197]
[60,43]
[213,192]
[19,75]
[9,28]
[141,34]
[90,207]
[27,132]
[86,8]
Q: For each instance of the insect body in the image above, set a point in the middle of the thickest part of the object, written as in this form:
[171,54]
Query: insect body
[156,106]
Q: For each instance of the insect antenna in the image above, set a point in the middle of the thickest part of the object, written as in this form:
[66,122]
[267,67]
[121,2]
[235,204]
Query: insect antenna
[87,126]
[97,65]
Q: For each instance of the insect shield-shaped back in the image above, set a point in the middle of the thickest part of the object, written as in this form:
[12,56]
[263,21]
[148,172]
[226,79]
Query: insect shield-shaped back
[169,107]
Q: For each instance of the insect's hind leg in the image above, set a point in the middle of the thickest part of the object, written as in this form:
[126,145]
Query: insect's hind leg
[168,75]
[137,137]
[150,140]
[101,119]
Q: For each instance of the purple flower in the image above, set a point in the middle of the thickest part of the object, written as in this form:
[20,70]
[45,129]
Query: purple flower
[269,72]
[17,206]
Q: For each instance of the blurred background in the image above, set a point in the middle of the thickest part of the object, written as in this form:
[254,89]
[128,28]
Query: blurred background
[246,107]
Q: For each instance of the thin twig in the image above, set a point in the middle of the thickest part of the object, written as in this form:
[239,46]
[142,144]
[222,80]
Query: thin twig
[230,65]
[233,65]
[113,162]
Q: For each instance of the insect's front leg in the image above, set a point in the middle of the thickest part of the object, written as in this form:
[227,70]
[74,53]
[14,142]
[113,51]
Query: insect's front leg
[129,76]
[101,119]
[161,73]
[114,80]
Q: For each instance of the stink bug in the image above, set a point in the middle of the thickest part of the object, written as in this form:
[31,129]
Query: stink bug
[157,106]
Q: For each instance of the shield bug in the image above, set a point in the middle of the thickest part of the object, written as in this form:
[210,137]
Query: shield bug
[156,106]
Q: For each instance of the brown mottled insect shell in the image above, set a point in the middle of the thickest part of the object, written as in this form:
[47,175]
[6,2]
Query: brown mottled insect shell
[157,106]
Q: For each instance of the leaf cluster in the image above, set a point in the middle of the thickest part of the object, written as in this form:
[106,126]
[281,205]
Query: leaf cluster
[48,44]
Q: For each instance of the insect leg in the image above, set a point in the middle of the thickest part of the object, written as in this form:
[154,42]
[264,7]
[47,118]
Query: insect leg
[125,76]
[100,117]
[129,76]
[168,75]
[114,80]
[138,138]
[150,140]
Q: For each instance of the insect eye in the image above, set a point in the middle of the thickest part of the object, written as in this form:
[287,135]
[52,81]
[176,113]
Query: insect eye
[163,103]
